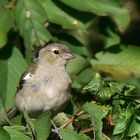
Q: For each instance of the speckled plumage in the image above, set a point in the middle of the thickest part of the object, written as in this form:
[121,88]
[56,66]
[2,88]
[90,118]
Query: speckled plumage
[45,85]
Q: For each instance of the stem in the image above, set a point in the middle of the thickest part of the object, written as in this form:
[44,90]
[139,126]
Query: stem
[106,137]
[31,125]
[71,120]
[92,129]
[86,130]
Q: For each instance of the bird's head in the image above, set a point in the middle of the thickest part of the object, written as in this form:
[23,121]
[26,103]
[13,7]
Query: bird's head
[55,54]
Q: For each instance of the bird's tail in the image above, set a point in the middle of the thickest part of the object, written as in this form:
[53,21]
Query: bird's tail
[12,113]
[6,116]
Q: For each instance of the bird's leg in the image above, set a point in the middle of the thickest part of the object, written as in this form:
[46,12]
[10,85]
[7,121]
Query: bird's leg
[29,124]
[55,130]
[72,119]
[55,127]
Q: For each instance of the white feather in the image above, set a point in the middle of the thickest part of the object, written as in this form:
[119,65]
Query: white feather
[27,76]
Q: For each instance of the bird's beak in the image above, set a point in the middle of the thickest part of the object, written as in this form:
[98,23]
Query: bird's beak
[69,56]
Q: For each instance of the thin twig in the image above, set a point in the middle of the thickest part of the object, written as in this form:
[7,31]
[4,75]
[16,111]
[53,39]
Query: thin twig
[71,120]
[92,129]
[86,130]
[67,122]
[106,137]
[80,113]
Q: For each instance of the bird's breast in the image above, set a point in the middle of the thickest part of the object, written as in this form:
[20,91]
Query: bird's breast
[44,92]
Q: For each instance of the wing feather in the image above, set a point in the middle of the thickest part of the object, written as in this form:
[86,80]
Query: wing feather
[27,75]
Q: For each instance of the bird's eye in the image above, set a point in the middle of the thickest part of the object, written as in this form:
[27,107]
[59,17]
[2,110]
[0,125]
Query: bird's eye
[56,52]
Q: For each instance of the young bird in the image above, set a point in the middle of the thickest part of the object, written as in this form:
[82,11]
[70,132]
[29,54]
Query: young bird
[45,86]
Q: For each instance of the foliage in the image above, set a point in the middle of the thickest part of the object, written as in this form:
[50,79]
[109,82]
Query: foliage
[104,106]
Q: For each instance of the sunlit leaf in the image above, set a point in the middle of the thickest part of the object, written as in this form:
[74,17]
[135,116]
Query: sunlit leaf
[58,16]
[96,84]
[30,19]
[124,63]
[103,8]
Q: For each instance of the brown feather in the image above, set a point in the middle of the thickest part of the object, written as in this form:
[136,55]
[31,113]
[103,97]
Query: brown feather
[30,70]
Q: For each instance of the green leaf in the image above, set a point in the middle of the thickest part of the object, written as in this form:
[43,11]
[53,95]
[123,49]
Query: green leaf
[96,84]
[123,122]
[102,8]
[76,49]
[58,16]
[121,87]
[82,78]
[85,76]
[67,134]
[30,18]
[16,120]
[5,25]
[82,35]
[19,128]
[111,39]
[95,110]
[60,119]
[104,90]
[4,135]
[105,94]
[113,88]
[16,134]
[43,126]
[97,114]
[76,65]
[12,66]
[124,63]
[134,128]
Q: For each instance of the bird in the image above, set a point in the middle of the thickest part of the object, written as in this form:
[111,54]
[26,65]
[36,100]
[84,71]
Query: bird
[45,86]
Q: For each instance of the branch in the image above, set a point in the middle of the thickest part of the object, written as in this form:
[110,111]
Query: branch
[71,120]
[86,130]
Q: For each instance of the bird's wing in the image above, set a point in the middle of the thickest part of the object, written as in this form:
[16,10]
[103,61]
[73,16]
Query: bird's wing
[27,75]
